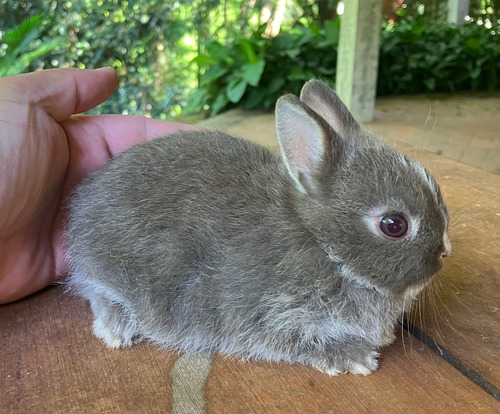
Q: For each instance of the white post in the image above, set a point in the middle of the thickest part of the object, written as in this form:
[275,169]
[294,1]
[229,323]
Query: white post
[457,11]
[357,60]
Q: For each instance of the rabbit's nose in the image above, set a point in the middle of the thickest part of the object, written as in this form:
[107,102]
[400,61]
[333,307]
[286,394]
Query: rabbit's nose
[447,245]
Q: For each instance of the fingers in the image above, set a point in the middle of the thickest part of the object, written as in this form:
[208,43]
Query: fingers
[93,140]
[60,92]
[119,131]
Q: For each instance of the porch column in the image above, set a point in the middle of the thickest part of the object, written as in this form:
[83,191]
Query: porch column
[357,60]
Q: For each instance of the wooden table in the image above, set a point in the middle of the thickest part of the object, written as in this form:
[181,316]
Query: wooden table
[51,363]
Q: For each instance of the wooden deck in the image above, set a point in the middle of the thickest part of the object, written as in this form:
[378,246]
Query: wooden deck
[445,360]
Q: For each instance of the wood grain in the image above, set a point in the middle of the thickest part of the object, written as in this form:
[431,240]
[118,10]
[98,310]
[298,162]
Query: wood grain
[52,363]
[410,379]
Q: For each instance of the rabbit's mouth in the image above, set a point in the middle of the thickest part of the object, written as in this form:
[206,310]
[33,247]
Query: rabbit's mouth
[412,292]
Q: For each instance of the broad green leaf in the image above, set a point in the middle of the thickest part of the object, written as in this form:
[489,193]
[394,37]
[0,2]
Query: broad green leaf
[475,73]
[212,74]
[203,60]
[255,98]
[276,84]
[473,43]
[252,72]
[247,49]
[430,83]
[197,100]
[236,89]
[293,53]
[315,29]
[219,104]
[327,71]
[300,74]
[218,52]
[332,30]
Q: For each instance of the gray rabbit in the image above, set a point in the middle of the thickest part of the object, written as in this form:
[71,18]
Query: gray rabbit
[200,241]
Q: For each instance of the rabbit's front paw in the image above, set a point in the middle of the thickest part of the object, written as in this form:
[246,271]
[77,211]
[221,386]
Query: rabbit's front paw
[360,366]
[364,367]
[328,369]
[114,323]
[109,336]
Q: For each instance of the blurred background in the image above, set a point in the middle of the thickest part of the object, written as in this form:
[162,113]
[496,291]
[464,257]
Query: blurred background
[182,60]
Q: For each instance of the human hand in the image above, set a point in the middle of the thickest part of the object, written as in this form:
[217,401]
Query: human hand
[44,152]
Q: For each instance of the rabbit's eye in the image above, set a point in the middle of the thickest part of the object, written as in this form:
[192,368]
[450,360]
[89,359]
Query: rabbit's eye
[394,225]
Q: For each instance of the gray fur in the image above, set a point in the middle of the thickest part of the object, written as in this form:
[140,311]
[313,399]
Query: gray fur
[200,241]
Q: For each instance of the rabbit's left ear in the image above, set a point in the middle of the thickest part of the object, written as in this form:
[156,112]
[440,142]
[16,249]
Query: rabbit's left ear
[324,101]
[306,142]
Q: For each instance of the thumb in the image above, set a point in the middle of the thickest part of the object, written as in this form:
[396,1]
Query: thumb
[61,92]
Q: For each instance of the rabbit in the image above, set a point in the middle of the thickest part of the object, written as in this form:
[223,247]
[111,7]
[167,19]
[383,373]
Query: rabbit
[203,242]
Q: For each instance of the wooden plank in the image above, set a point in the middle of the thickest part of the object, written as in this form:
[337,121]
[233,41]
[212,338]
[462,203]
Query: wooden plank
[51,363]
[410,379]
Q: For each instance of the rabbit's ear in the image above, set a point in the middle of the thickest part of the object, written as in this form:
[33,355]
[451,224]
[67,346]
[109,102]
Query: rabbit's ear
[325,102]
[305,141]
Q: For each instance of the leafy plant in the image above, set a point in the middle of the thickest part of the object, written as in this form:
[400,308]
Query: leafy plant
[151,44]
[23,46]
[255,70]
[418,55]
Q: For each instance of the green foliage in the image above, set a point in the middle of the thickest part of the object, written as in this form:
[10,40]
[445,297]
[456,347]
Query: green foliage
[23,46]
[255,71]
[418,55]
[150,43]
[165,50]
[138,39]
